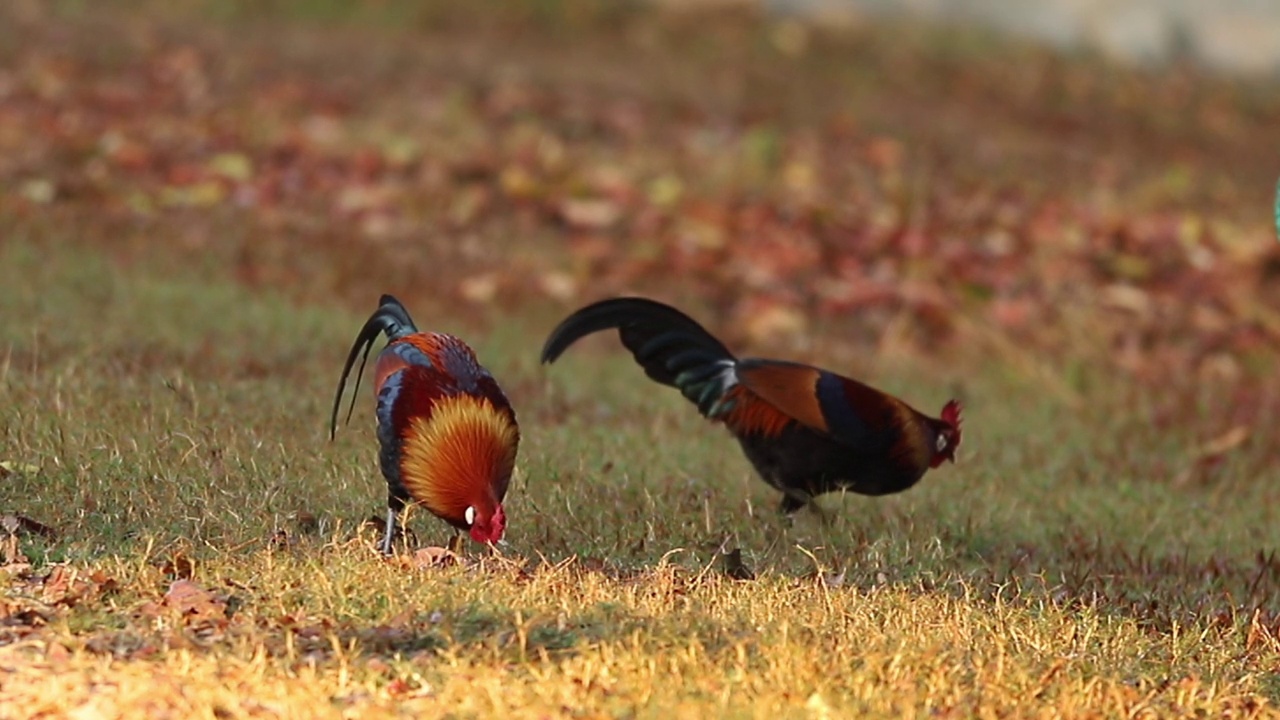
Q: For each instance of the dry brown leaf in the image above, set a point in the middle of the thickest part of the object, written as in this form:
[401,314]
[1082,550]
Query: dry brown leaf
[434,556]
[67,586]
[768,322]
[57,585]
[15,524]
[1226,442]
[1127,297]
[20,611]
[11,554]
[558,285]
[195,604]
[589,214]
[179,566]
[479,289]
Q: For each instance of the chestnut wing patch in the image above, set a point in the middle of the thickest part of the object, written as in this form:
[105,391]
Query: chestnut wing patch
[844,409]
[791,388]
[747,414]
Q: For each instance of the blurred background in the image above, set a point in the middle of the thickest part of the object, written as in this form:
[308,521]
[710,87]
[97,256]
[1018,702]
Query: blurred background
[1062,217]
[1078,188]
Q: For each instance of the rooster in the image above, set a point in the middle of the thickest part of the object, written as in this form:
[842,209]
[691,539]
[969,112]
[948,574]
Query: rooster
[447,435]
[807,431]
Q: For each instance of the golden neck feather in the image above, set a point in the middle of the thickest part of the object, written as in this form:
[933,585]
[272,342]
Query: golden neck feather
[461,455]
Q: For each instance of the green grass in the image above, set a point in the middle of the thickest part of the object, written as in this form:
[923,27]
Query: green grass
[175,415]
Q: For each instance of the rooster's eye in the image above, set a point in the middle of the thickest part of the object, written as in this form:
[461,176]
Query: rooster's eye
[942,443]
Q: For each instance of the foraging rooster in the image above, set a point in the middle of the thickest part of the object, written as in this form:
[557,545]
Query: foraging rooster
[807,431]
[448,436]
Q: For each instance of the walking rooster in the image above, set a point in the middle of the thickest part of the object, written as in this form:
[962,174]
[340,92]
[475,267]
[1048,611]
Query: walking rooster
[447,434]
[806,430]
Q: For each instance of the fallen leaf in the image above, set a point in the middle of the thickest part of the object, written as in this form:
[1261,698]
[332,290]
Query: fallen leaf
[195,604]
[233,166]
[665,190]
[198,195]
[480,288]
[67,586]
[16,612]
[17,568]
[149,609]
[772,321]
[434,556]
[518,182]
[179,566]
[558,285]
[1127,297]
[104,582]
[11,552]
[40,191]
[1226,442]
[15,524]
[589,214]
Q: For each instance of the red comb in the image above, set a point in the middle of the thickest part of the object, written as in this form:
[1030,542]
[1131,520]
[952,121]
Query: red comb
[951,413]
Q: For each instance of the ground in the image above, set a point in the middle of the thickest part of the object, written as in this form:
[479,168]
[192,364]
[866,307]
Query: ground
[204,202]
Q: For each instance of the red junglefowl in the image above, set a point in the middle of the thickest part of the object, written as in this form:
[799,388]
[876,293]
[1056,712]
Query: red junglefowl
[807,431]
[447,434]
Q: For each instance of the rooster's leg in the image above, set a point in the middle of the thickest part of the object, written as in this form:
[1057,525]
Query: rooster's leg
[390,531]
[794,502]
[790,504]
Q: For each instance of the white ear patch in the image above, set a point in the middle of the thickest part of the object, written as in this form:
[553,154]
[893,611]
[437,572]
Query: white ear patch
[942,443]
[470,515]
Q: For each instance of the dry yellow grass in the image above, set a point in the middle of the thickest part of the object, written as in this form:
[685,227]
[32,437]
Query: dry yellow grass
[377,639]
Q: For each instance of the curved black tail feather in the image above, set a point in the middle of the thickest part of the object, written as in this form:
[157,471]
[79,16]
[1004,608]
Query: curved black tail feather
[672,348]
[392,319]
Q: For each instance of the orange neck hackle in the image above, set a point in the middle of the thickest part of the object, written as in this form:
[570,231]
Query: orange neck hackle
[459,460]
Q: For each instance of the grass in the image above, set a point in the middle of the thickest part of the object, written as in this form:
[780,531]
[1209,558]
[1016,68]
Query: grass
[179,426]
[182,539]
